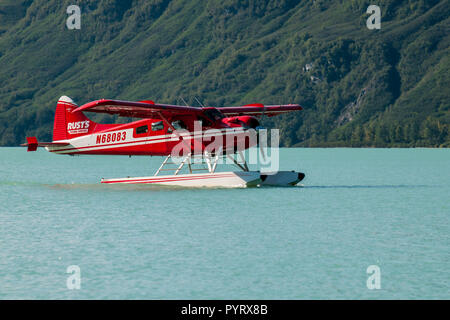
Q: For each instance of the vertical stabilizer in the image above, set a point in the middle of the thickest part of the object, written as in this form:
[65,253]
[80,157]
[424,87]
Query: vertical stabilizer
[68,125]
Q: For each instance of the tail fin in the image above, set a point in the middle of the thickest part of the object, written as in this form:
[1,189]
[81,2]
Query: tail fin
[68,125]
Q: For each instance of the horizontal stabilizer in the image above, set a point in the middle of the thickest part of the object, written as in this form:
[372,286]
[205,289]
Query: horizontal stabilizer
[33,144]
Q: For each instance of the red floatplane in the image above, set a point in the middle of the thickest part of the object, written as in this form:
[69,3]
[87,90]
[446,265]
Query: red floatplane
[169,130]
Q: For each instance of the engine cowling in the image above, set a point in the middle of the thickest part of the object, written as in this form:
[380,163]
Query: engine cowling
[247,122]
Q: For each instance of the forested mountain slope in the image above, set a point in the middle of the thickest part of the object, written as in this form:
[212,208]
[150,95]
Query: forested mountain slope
[359,87]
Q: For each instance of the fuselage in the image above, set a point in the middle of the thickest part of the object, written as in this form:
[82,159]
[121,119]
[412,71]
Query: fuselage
[158,137]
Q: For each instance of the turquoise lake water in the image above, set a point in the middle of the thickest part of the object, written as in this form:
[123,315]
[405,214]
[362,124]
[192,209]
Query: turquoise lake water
[358,207]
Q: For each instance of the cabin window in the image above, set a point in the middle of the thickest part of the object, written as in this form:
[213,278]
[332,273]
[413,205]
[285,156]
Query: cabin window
[156,126]
[178,125]
[213,114]
[204,121]
[142,129]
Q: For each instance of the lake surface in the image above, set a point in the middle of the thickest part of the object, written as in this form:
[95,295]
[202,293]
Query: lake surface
[357,208]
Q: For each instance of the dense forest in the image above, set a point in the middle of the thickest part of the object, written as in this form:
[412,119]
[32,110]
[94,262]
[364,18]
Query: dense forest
[386,87]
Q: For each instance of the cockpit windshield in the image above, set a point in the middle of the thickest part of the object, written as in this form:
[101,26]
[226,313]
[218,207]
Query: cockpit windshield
[213,114]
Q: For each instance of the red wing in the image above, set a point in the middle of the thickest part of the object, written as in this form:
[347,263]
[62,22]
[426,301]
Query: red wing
[141,109]
[259,110]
